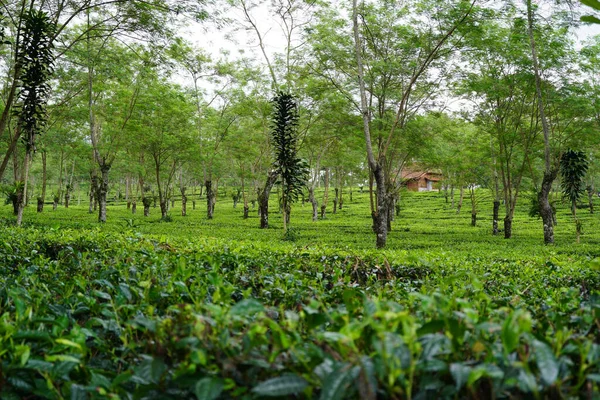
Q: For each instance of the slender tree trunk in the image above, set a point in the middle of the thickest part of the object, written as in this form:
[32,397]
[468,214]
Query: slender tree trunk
[263,200]
[335,200]
[163,208]
[590,192]
[325,194]
[11,151]
[314,203]
[549,172]
[60,174]
[147,202]
[93,190]
[210,199]
[495,217]
[473,206]
[42,198]
[545,207]
[244,197]
[380,217]
[508,226]
[127,191]
[133,206]
[23,188]
[102,192]
[460,199]
[452,196]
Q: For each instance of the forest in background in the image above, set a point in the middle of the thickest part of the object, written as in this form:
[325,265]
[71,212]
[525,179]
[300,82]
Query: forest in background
[489,94]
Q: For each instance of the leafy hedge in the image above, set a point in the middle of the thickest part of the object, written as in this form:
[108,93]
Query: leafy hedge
[97,315]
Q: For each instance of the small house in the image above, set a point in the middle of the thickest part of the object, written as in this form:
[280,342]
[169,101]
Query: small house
[421,181]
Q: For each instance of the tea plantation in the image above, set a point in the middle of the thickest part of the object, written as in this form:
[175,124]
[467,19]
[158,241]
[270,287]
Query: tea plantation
[217,309]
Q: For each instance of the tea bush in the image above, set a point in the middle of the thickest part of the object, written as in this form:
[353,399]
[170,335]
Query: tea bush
[119,312]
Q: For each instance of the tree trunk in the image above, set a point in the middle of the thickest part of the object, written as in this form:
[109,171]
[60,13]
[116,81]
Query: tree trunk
[508,227]
[452,196]
[313,201]
[163,209]
[102,192]
[590,192]
[60,175]
[263,200]
[473,219]
[335,200]
[42,198]
[22,192]
[495,217]
[133,206]
[147,202]
[183,205]
[380,217]
[210,199]
[545,208]
[460,199]
[93,191]
[549,172]
[67,196]
[325,194]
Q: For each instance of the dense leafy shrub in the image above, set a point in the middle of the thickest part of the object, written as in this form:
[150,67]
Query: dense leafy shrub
[90,314]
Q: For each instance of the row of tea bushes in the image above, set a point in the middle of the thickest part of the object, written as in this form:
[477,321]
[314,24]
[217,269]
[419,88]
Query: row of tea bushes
[98,315]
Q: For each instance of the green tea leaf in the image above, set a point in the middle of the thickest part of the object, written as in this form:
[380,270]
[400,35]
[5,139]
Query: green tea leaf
[286,385]
[546,362]
[208,388]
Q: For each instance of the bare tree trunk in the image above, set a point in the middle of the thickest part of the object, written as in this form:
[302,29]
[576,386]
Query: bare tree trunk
[22,191]
[102,192]
[590,192]
[314,203]
[210,199]
[545,207]
[495,217]
[133,206]
[549,172]
[263,199]
[460,199]
[508,226]
[325,194]
[11,151]
[473,206]
[147,202]
[380,216]
[60,174]
[335,200]
[93,191]
[42,198]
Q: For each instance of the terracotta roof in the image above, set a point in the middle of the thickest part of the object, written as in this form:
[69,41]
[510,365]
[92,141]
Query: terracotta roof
[410,175]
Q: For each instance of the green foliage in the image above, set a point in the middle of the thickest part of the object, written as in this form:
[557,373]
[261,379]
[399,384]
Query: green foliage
[36,60]
[293,172]
[595,4]
[573,167]
[443,313]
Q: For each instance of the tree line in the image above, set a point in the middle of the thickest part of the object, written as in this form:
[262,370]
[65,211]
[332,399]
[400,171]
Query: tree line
[99,93]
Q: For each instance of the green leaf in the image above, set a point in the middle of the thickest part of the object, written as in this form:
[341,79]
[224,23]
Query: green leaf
[286,385]
[546,362]
[337,383]
[590,19]
[246,307]
[431,327]
[208,388]
[460,373]
[591,3]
